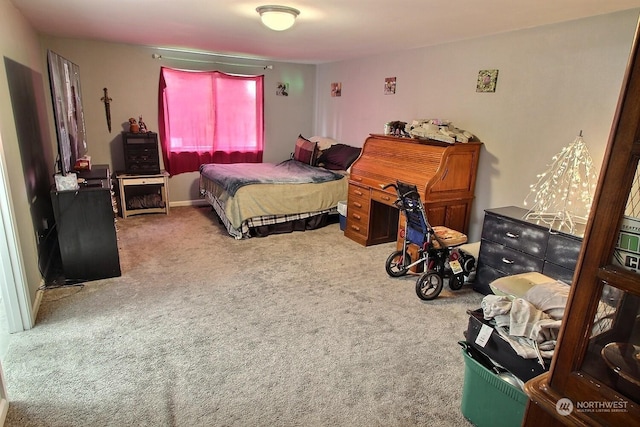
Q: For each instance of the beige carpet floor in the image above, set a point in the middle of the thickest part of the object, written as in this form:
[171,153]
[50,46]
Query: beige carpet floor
[300,329]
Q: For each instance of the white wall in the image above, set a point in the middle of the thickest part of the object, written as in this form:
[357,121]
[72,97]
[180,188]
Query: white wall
[19,43]
[553,82]
[131,76]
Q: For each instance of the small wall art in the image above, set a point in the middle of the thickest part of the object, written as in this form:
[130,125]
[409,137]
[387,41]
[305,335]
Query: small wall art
[336,89]
[282,89]
[389,85]
[487,81]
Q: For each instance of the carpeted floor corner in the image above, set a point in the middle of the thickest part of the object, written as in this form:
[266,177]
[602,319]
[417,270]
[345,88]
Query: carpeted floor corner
[300,329]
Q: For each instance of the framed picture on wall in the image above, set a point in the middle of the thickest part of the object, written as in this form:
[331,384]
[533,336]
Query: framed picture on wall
[336,89]
[390,86]
[282,89]
[487,81]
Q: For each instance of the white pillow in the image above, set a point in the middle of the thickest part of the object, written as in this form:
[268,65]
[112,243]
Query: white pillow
[323,142]
[517,285]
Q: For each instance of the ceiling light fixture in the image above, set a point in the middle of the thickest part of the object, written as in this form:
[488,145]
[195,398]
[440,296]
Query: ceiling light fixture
[278,18]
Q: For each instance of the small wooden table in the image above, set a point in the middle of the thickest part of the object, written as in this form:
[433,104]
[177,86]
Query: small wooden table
[160,180]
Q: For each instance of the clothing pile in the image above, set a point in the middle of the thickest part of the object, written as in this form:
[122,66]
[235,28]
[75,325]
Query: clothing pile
[531,323]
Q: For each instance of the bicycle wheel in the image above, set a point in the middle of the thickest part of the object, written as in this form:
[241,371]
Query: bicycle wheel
[397,263]
[429,286]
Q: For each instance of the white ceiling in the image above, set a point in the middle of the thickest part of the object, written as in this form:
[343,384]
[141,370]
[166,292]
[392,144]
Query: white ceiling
[325,31]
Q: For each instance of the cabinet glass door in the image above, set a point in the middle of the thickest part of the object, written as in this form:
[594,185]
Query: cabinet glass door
[613,352]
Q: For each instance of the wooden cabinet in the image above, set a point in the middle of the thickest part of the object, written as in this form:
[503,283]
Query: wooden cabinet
[86,233]
[511,244]
[141,153]
[445,175]
[595,374]
[143,186]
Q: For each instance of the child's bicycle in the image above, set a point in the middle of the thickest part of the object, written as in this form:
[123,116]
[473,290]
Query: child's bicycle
[437,250]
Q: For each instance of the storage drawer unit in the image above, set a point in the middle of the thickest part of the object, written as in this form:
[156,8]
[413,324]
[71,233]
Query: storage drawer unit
[512,245]
[358,213]
[141,154]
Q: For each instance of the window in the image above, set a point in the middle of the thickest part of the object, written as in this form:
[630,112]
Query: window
[209,117]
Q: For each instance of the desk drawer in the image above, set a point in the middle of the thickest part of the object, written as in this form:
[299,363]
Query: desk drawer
[357,220]
[358,216]
[520,236]
[508,260]
[359,192]
[358,212]
[356,229]
[383,197]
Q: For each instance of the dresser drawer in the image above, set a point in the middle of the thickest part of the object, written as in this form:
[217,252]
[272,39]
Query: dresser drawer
[508,260]
[516,235]
[555,271]
[563,250]
[484,276]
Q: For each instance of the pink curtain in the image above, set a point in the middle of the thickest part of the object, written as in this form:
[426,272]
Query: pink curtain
[209,117]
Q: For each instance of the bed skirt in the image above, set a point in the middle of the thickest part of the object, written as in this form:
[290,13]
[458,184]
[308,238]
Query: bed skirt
[310,223]
[272,224]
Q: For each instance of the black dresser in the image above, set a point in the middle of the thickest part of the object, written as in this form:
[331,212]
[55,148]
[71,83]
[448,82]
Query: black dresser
[511,244]
[86,228]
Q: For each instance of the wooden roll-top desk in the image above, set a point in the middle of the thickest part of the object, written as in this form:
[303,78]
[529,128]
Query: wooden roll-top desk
[445,175]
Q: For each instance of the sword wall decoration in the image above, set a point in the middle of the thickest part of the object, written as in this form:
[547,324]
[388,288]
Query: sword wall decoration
[107,107]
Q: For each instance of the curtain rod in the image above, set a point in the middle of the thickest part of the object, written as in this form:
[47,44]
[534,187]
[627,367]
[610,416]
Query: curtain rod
[159,57]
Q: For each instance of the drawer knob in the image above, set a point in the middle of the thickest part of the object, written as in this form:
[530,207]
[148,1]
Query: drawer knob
[356,216]
[353,227]
[512,235]
[386,198]
[507,261]
[357,205]
[359,193]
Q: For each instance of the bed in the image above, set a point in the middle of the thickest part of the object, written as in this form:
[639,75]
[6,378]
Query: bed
[301,193]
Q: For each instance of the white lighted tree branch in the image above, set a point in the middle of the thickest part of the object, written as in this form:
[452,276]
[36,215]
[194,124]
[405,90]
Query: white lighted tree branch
[564,192]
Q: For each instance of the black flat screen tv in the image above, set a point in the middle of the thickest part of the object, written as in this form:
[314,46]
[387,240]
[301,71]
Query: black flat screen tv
[66,95]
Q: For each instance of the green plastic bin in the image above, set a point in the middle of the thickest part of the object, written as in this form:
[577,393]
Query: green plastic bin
[487,400]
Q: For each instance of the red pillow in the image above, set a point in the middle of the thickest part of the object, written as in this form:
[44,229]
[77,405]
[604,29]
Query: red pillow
[305,151]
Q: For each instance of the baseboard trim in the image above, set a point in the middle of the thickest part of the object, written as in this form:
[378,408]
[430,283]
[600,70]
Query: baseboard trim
[4,408]
[36,305]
